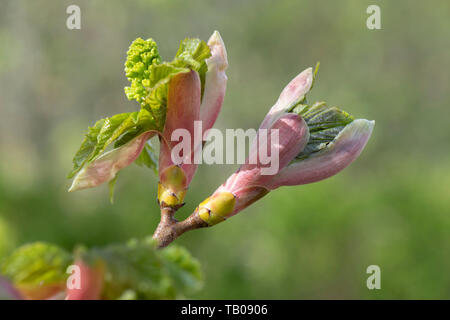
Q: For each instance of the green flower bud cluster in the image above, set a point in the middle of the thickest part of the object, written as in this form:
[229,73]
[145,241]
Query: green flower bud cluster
[141,55]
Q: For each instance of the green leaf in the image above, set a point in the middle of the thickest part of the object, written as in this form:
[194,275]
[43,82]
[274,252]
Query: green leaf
[324,125]
[148,158]
[192,54]
[156,101]
[150,78]
[37,264]
[108,130]
[137,270]
[87,147]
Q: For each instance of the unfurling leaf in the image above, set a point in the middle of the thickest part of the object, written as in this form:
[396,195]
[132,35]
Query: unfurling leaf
[105,167]
[191,55]
[324,125]
[119,128]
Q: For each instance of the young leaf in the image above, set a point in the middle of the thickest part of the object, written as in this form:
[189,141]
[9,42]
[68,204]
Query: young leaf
[156,101]
[37,264]
[192,53]
[107,165]
[324,125]
[87,147]
[108,130]
[150,78]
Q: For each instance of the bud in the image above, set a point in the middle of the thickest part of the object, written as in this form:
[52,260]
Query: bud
[183,108]
[338,154]
[247,184]
[217,208]
[342,140]
[172,190]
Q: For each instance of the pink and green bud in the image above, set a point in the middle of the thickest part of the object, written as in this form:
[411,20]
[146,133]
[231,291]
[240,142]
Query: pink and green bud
[336,156]
[183,109]
[185,106]
[247,184]
[304,156]
[292,94]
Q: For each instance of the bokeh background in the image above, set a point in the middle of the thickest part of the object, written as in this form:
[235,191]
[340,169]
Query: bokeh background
[390,208]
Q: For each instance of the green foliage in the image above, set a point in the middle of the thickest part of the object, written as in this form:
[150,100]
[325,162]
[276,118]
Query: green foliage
[87,147]
[149,86]
[324,125]
[120,128]
[150,79]
[137,270]
[37,264]
[156,99]
[191,55]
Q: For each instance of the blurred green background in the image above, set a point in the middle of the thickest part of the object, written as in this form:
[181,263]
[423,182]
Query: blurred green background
[390,208]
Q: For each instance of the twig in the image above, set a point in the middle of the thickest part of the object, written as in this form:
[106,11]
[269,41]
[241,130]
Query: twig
[170,228]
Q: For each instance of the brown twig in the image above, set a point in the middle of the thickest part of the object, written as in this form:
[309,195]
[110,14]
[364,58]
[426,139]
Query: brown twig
[170,228]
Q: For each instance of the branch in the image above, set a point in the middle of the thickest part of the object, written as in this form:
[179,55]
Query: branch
[170,228]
